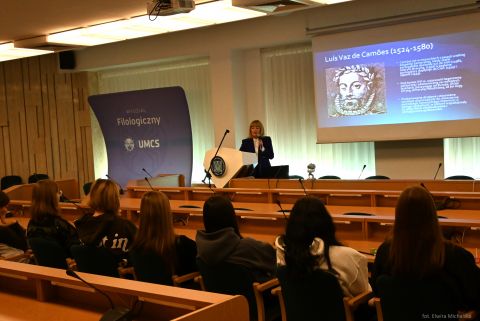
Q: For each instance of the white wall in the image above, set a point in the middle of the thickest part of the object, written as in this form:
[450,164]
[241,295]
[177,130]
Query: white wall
[234,53]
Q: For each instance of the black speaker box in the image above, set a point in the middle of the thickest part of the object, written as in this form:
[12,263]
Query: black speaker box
[66,59]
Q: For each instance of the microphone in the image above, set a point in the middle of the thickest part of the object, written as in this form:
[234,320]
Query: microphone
[303,187]
[115,313]
[119,186]
[436,173]
[281,209]
[439,204]
[64,199]
[310,169]
[148,181]
[361,172]
[143,169]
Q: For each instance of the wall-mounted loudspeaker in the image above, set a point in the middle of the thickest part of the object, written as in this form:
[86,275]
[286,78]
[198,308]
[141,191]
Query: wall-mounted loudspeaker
[66,59]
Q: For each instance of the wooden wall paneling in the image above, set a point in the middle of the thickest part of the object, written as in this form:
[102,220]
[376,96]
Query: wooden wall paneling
[44,120]
[66,125]
[16,118]
[4,153]
[3,170]
[34,116]
[3,99]
[47,71]
[52,111]
[83,130]
[77,106]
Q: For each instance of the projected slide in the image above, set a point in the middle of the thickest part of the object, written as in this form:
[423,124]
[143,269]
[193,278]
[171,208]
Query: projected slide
[420,80]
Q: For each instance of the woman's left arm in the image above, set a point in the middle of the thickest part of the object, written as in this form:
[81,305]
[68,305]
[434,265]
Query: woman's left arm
[267,147]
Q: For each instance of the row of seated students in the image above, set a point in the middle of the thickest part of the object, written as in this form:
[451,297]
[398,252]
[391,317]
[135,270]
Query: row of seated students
[414,252]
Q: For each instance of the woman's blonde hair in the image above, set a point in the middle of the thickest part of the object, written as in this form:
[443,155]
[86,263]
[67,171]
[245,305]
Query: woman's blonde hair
[45,197]
[155,233]
[256,123]
[105,197]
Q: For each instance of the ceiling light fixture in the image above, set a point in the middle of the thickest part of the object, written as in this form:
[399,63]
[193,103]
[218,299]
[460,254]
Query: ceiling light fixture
[8,51]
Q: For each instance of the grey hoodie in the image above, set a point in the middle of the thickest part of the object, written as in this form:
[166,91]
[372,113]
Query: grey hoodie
[226,245]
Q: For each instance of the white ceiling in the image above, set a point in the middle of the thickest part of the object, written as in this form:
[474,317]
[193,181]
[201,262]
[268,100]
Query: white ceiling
[24,19]
[21,19]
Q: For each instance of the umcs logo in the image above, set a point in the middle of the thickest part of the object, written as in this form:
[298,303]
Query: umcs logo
[129,144]
[148,143]
[141,143]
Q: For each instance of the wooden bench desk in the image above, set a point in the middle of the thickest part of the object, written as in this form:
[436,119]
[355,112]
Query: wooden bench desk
[31,292]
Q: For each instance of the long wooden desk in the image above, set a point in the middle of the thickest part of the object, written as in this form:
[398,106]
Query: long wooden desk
[31,292]
[69,188]
[348,197]
[359,184]
[265,221]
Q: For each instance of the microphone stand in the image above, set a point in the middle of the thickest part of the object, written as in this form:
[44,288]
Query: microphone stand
[143,169]
[207,172]
[148,181]
[438,169]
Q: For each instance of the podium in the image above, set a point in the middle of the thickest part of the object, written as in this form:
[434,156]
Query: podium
[227,164]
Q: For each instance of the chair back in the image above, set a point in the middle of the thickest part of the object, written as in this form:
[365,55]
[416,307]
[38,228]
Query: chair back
[10,180]
[86,188]
[280,171]
[150,267]
[48,252]
[329,177]
[37,177]
[460,177]
[229,278]
[414,300]
[377,177]
[95,260]
[317,296]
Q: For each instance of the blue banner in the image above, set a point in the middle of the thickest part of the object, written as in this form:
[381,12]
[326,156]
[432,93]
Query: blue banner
[147,129]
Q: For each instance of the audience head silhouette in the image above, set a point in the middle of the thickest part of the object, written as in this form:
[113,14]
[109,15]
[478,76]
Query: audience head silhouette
[45,197]
[105,197]
[417,241]
[218,213]
[4,199]
[308,219]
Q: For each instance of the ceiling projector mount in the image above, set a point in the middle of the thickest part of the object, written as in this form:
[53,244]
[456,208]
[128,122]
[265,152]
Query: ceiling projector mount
[169,7]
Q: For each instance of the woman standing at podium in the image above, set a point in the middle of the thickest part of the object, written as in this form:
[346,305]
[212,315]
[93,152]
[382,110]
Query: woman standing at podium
[261,145]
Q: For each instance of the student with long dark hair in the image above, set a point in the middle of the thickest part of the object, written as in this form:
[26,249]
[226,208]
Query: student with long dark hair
[416,249]
[310,243]
[105,227]
[221,241]
[46,221]
[156,236]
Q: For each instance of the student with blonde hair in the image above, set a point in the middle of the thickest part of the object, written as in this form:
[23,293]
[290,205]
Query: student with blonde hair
[260,144]
[105,227]
[156,240]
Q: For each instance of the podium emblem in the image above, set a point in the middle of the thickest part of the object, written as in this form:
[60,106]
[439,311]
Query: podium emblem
[218,166]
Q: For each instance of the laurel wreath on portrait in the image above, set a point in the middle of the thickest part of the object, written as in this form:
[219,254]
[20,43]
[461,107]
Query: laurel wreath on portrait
[365,71]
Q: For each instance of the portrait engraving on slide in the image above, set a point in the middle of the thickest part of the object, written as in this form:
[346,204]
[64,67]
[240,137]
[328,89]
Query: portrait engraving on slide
[356,90]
